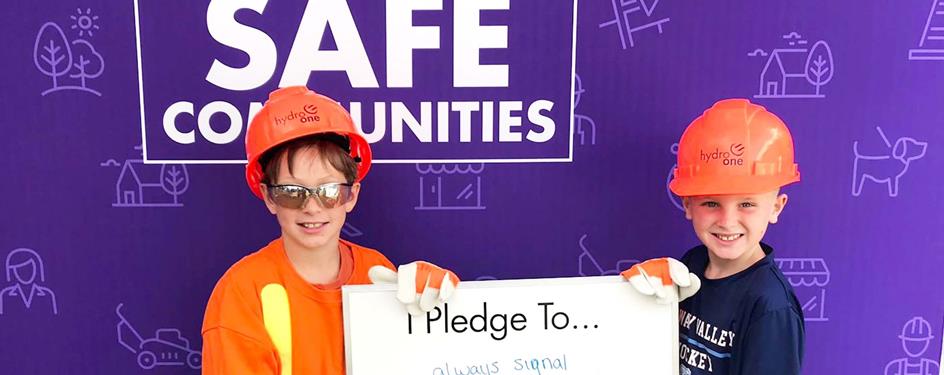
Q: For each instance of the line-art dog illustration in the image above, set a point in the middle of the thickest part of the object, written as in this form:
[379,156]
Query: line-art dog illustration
[885,169]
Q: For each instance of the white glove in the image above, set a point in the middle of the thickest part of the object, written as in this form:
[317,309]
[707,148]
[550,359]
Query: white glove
[665,278]
[421,286]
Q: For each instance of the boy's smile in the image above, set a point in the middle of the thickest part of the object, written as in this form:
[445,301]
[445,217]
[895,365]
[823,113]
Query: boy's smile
[728,237]
[312,227]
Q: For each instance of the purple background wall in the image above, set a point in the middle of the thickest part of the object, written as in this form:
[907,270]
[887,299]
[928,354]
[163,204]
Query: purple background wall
[861,239]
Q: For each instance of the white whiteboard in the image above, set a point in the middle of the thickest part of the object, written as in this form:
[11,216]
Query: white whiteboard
[610,329]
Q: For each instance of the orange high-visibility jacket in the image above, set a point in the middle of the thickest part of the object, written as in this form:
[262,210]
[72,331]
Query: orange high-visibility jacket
[263,318]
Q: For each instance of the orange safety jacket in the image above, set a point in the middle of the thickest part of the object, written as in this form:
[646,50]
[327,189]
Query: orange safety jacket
[263,318]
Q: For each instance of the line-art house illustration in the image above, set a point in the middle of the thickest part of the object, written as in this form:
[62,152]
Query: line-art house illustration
[21,268]
[931,44]
[149,185]
[587,264]
[633,16]
[915,339]
[70,65]
[585,129]
[166,348]
[797,70]
[809,278]
[888,167]
[450,186]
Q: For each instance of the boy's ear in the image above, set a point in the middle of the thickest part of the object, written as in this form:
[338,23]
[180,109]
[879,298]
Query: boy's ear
[687,205]
[265,198]
[355,191]
[779,204]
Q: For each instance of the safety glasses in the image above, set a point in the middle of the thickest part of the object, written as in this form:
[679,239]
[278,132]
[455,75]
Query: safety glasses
[294,196]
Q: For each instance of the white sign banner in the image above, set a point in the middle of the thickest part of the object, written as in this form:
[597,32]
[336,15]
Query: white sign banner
[431,81]
[586,326]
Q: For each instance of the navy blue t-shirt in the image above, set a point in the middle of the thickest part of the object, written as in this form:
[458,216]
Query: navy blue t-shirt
[749,323]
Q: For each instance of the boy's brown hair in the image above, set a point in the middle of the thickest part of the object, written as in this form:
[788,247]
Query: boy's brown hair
[333,149]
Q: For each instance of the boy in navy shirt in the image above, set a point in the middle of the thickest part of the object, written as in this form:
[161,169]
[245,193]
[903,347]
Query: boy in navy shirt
[745,318]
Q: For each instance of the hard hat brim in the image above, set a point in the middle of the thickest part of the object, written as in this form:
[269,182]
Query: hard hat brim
[729,185]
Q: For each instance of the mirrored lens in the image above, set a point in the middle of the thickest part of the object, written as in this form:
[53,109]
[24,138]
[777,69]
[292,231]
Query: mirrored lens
[333,195]
[288,196]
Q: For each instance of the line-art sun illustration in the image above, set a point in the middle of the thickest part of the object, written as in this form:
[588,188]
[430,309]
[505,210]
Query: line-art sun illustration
[84,22]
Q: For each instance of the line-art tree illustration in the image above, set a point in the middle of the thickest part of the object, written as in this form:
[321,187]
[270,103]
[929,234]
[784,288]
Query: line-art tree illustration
[174,179]
[819,65]
[51,53]
[88,63]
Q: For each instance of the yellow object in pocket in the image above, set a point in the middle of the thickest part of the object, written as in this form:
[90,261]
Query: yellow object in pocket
[277,317]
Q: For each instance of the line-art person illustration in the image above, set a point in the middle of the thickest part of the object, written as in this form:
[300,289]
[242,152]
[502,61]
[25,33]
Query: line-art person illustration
[915,339]
[585,129]
[22,267]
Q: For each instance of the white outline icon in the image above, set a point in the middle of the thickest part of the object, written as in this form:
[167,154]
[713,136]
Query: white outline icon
[887,168]
[149,185]
[809,278]
[587,264]
[26,288]
[915,341]
[932,35]
[588,133]
[791,72]
[439,184]
[166,348]
[623,10]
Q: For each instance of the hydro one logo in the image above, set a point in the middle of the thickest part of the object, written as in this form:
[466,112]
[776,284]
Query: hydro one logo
[309,114]
[730,157]
[425,81]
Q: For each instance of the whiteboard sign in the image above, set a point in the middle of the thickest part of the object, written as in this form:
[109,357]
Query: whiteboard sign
[586,326]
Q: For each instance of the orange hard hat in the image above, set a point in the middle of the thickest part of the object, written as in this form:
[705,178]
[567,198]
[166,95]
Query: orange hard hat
[294,112]
[735,147]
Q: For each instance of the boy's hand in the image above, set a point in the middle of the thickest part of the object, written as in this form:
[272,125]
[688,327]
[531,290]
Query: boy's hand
[666,278]
[421,286]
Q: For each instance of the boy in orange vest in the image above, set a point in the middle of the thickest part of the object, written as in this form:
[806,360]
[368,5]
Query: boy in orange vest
[278,310]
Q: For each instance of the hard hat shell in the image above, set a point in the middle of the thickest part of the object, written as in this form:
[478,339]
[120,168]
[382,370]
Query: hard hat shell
[734,147]
[294,112]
